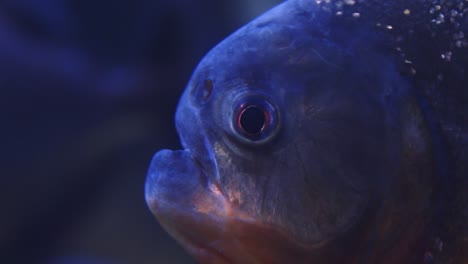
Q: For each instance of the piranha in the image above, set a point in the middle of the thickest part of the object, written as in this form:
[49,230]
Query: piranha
[325,132]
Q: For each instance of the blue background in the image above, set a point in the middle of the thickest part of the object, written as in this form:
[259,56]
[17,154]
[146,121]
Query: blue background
[88,93]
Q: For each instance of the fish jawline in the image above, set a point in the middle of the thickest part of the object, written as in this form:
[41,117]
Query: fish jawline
[237,238]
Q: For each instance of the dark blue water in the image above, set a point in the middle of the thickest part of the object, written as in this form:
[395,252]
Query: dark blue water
[88,92]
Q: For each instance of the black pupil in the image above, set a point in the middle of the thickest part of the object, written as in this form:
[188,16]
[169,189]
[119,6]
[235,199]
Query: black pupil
[252,120]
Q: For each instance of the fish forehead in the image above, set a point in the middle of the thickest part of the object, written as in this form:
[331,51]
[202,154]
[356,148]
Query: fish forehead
[265,41]
[294,41]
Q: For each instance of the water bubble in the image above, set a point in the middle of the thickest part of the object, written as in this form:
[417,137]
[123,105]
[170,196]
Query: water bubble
[447,56]
[439,19]
[339,13]
[461,43]
[458,36]
[407,12]
[389,27]
[428,257]
[437,7]
[453,12]
[439,245]
[356,15]
[326,8]
[349,2]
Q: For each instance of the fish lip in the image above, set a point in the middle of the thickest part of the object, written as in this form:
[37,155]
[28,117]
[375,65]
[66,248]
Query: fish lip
[202,169]
[188,239]
[205,254]
[179,186]
[208,167]
[207,179]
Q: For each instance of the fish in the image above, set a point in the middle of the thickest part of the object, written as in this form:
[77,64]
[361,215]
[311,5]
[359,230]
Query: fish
[324,131]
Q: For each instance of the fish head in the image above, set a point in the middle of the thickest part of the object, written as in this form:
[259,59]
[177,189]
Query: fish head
[292,137]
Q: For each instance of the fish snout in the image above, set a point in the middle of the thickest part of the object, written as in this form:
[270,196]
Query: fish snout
[173,176]
[185,202]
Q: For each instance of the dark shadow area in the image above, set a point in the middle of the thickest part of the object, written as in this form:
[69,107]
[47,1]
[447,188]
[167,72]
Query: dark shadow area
[88,94]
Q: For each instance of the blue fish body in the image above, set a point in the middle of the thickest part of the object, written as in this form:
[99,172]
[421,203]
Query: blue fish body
[310,136]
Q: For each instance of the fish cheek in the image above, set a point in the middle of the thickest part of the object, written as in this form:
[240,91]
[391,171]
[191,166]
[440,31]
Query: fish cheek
[291,189]
[333,161]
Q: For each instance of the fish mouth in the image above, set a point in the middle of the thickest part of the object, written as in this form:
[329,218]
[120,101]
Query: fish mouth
[193,210]
[187,202]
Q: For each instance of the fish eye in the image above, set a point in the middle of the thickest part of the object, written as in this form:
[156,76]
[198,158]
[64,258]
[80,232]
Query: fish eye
[252,120]
[255,119]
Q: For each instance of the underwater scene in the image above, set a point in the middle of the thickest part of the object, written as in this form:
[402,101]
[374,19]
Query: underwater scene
[242,132]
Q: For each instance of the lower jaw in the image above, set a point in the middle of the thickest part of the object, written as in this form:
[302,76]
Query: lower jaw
[206,255]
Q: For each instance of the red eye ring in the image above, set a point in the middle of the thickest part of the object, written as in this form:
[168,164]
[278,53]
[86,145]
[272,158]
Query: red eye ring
[255,120]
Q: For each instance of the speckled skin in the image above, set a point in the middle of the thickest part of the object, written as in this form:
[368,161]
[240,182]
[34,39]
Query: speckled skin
[367,163]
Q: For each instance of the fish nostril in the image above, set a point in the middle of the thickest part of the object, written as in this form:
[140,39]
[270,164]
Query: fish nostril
[201,90]
[207,89]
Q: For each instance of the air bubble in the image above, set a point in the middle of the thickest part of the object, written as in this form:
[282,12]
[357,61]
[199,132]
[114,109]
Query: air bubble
[407,12]
[447,56]
[339,13]
[356,15]
[440,19]
[461,43]
[459,36]
[439,245]
[428,258]
[349,2]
